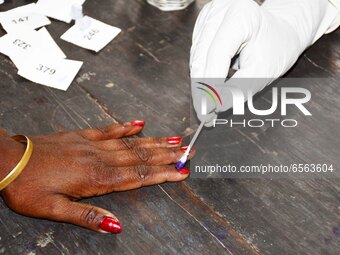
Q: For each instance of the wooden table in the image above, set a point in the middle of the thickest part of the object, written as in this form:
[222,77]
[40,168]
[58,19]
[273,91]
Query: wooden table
[143,74]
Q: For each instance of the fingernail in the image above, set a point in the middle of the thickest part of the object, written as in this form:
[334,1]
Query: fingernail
[184,148]
[174,140]
[184,171]
[138,123]
[110,225]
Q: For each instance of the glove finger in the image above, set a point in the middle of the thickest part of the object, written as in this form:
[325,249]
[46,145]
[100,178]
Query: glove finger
[205,30]
[210,119]
[237,28]
[199,25]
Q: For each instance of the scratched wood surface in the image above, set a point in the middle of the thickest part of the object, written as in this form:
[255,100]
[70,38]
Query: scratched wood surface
[143,74]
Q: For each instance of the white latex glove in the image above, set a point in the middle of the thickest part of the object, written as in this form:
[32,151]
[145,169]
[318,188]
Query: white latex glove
[268,39]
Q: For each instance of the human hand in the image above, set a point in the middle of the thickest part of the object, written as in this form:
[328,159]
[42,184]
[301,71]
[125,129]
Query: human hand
[267,41]
[68,166]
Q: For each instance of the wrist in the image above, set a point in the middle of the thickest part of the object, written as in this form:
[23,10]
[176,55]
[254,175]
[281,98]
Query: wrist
[10,154]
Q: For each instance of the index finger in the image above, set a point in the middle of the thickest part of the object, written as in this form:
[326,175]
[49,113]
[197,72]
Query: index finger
[206,27]
[236,29]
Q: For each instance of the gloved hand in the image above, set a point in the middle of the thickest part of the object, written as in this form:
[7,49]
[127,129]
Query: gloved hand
[268,39]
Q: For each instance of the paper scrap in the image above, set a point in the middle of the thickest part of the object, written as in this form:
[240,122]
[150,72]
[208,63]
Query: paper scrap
[49,44]
[19,46]
[23,17]
[58,9]
[94,36]
[53,72]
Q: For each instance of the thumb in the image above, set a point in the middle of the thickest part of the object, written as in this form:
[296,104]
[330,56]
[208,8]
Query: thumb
[87,216]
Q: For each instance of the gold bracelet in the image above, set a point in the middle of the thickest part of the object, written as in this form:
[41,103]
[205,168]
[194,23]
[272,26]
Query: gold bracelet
[22,163]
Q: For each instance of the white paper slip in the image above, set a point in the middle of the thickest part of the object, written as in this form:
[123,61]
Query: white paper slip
[94,36]
[23,17]
[20,45]
[51,72]
[58,9]
[49,44]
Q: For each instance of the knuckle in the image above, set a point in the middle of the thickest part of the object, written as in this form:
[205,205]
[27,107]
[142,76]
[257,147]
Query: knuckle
[103,131]
[142,173]
[129,143]
[98,174]
[102,178]
[143,154]
[173,154]
[89,215]
[89,153]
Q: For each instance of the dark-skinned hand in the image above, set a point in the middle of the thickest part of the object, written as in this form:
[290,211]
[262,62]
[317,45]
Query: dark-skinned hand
[68,166]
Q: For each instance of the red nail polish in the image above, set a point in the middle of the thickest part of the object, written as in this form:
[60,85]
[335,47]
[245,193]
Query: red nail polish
[184,171]
[184,148]
[110,225]
[138,123]
[174,140]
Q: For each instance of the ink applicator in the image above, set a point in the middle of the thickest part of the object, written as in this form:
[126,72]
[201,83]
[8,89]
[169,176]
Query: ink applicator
[181,163]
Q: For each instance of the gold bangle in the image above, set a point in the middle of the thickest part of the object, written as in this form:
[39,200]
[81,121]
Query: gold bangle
[22,163]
